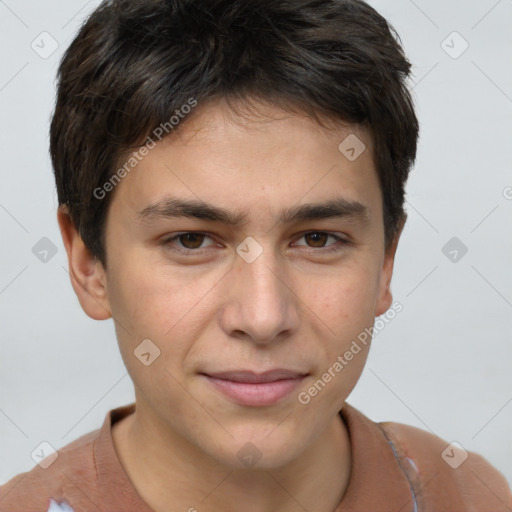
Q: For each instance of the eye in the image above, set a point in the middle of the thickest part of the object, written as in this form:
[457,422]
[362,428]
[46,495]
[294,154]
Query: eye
[319,239]
[189,242]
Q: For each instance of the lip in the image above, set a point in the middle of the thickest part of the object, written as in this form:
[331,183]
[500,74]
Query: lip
[255,389]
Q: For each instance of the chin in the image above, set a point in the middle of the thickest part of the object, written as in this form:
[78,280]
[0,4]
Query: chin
[261,453]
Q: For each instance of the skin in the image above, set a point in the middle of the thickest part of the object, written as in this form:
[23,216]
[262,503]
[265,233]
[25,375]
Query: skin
[294,307]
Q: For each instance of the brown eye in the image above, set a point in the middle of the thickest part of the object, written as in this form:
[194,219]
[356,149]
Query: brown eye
[189,243]
[316,239]
[191,240]
[321,243]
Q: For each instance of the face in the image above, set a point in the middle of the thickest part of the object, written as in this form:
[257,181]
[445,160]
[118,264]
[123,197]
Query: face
[245,245]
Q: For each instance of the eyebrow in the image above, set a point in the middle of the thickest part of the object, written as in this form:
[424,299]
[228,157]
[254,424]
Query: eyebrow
[172,208]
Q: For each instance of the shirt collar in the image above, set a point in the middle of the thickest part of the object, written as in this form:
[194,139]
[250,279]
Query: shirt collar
[376,476]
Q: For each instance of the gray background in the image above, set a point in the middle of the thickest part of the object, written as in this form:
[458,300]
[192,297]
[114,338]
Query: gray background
[443,364]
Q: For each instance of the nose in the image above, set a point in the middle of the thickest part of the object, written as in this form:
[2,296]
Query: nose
[260,303]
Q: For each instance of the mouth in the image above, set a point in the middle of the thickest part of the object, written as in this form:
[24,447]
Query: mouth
[249,388]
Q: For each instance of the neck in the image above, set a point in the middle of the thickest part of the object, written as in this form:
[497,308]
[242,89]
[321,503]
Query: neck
[165,468]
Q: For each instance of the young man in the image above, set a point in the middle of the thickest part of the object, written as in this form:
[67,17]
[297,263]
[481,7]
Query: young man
[231,184]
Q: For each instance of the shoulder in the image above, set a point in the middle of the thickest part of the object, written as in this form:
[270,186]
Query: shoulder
[440,470]
[50,485]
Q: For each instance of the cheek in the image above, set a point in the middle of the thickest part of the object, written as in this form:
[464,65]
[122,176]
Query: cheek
[346,307]
[147,306]
[141,302]
[159,303]
[344,300]
[345,303]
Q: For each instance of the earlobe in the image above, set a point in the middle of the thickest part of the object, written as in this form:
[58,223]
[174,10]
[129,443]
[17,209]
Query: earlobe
[385,298]
[86,272]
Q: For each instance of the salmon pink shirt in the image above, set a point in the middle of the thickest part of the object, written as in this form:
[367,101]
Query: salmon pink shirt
[395,468]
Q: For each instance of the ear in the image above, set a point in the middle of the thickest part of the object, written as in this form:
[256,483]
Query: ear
[85,270]
[385,297]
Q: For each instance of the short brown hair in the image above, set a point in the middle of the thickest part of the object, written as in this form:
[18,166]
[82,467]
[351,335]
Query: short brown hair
[135,62]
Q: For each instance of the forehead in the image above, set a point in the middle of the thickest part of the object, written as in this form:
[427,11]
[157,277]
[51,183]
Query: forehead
[268,160]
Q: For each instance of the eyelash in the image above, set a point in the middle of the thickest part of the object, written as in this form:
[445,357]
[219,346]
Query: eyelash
[168,242]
